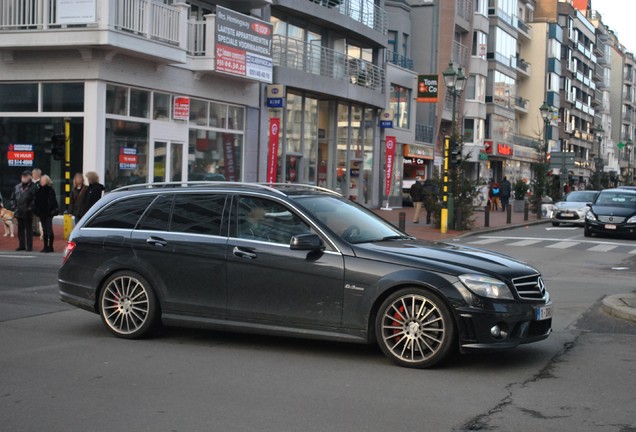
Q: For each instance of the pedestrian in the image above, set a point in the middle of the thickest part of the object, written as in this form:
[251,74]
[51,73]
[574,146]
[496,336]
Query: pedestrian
[22,205]
[429,199]
[417,196]
[77,206]
[46,208]
[506,189]
[36,173]
[94,191]
[494,194]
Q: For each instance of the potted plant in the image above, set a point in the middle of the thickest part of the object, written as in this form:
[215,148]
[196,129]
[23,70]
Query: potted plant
[521,191]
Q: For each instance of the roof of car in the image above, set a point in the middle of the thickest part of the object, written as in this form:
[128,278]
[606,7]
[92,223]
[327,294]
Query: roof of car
[285,189]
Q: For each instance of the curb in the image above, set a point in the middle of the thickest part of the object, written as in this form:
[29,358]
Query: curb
[621,306]
[502,228]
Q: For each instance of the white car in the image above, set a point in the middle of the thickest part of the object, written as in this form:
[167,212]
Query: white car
[573,208]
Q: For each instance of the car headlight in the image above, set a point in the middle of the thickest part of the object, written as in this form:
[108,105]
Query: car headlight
[631,219]
[486,286]
[582,210]
[590,216]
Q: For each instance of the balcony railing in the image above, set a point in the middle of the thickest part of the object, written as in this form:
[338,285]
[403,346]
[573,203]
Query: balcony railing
[522,104]
[196,38]
[525,141]
[149,18]
[399,60]
[465,9]
[523,27]
[363,11]
[423,133]
[460,54]
[27,14]
[524,66]
[318,60]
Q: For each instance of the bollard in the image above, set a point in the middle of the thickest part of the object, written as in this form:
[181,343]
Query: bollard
[508,214]
[68,224]
[525,211]
[402,221]
[486,216]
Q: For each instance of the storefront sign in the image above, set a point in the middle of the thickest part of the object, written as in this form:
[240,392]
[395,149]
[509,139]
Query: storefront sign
[243,45]
[75,11]
[229,158]
[427,88]
[488,147]
[386,119]
[128,158]
[414,161]
[275,95]
[390,144]
[418,151]
[504,149]
[20,155]
[483,157]
[272,159]
[181,108]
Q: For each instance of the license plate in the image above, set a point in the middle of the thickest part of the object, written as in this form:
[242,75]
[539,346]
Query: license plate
[610,227]
[566,214]
[543,313]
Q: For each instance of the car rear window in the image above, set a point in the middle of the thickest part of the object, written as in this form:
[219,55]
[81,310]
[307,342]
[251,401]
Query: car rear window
[121,214]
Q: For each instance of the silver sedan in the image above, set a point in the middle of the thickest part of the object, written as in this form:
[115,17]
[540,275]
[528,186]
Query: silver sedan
[573,207]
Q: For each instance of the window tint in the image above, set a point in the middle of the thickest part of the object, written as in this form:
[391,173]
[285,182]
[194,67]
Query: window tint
[157,218]
[198,214]
[122,214]
[265,220]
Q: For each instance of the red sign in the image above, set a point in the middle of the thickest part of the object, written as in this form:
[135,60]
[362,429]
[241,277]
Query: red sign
[128,158]
[488,147]
[230,60]
[20,155]
[181,109]
[229,155]
[390,144]
[272,160]
[504,149]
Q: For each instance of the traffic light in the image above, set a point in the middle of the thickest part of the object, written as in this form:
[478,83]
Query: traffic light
[58,146]
[455,156]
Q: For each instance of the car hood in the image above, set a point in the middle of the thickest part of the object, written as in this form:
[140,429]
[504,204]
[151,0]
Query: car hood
[445,258]
[569,205]
[613,211]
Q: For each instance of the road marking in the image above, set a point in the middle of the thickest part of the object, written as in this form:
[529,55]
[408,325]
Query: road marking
[562,228]
[524,243]
[562,245]
[602,248]
[486,241]
[17,256]
[547,239]
[633,252]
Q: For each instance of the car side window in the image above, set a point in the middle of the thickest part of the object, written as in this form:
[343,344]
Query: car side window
[157,218]
[198,214]
[266,220]
[121,214]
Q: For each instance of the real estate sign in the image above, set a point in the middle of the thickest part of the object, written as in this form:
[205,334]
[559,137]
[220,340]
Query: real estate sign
[75,11]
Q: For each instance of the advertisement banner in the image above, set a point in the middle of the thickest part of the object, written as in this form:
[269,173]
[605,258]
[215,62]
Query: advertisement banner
[20,155]
[75,12]
[229,155]
[243,45]
[427,88]
[272,159]
[390,157]
[181,108]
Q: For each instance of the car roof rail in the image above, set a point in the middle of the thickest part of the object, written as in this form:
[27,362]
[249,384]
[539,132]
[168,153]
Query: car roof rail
[224,184]
[301,186]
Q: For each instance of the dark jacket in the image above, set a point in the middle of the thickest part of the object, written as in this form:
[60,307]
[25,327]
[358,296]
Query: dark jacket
[506,189]
[94,193]
[45,202]
[22,199]
[417,192]
[77,207]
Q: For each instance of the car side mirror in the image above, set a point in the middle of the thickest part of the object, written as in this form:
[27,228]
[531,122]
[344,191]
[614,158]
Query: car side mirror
[306,242]
[588,204]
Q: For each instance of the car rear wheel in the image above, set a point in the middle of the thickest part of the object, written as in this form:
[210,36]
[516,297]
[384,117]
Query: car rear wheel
[128,306]
[415,328]
[556,224]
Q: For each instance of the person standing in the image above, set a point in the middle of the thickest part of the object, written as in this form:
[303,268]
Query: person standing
[77,207]
[94,191]
[46,208]
[495,194]
[506,189]
[36,173]
[429,199]
[417,196]
[22,205]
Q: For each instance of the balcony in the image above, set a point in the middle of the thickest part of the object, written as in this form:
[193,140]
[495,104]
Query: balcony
[145,28]
[399,60]
[460,54]
[524,67]
[318,60]
[524,29]
[522,104]
[525,141]
[423,133]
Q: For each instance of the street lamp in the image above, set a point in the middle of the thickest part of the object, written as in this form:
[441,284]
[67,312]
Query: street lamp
[628,146]
[546,114]
[599,159]
[455,83]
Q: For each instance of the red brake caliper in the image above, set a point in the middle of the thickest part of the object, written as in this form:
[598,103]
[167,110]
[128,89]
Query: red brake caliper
[397,324]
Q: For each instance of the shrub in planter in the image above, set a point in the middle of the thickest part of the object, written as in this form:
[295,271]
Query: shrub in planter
[521,191]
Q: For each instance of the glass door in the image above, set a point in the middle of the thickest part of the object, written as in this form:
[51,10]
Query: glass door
[167,162]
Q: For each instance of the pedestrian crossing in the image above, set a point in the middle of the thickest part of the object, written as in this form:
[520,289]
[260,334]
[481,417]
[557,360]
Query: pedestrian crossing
[557,244]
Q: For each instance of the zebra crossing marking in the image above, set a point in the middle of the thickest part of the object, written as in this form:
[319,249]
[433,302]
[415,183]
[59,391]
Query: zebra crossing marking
[485,241]
[563,245]
[602,248]
[524,243]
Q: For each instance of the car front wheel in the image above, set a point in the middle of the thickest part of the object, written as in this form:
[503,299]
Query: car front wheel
[415,328]
[586,231]
[128,306]
[556,224]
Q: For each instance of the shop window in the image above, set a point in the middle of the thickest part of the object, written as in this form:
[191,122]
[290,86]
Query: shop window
[126,153]
[116,100]
[214,155]
[139,103]
[198,112]
[63,97]
[161,106]
[19,97]
[218,115]
[235,117]
[400,104]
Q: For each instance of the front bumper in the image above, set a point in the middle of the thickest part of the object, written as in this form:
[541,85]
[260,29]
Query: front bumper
[625,229]
[568,217]
[517,322]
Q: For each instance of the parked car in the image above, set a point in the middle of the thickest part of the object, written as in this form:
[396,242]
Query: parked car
[573,208]
[612,212]
[298,261]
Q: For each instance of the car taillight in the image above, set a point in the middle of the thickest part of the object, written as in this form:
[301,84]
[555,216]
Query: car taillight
[70,247]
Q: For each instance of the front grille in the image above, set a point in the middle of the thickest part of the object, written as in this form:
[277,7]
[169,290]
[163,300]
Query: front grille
[530,287]
[611,219]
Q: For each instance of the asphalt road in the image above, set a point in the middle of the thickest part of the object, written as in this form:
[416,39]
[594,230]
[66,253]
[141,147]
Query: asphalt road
[60,370]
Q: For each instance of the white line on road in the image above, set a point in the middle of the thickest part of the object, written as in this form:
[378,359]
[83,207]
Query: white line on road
[524,243]
[553,239]
[602,248]
[486,241]
[633,252]
[562,245]
[562,228]
[17,256]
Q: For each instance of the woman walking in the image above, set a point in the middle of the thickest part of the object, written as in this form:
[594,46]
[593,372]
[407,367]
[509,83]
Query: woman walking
[94,191]
[78,197]
[46,208]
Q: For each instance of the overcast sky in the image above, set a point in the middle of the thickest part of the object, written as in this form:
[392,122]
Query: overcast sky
[620,16]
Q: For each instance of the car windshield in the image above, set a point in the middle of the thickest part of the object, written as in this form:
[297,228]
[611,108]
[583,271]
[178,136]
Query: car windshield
[582,196]
[352,222]
[616,198]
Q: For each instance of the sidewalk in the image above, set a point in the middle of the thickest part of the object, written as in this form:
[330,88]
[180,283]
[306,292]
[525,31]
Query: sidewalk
[10,244]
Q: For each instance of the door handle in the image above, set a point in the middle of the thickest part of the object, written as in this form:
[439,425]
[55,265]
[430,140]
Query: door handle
[156,241]
[240,253]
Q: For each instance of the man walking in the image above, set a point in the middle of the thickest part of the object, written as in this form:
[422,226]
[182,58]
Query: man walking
[417,196]
[506,189]
[22,202]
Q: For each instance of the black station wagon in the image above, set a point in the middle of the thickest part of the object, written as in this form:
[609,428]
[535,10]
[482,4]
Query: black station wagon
[293,260]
